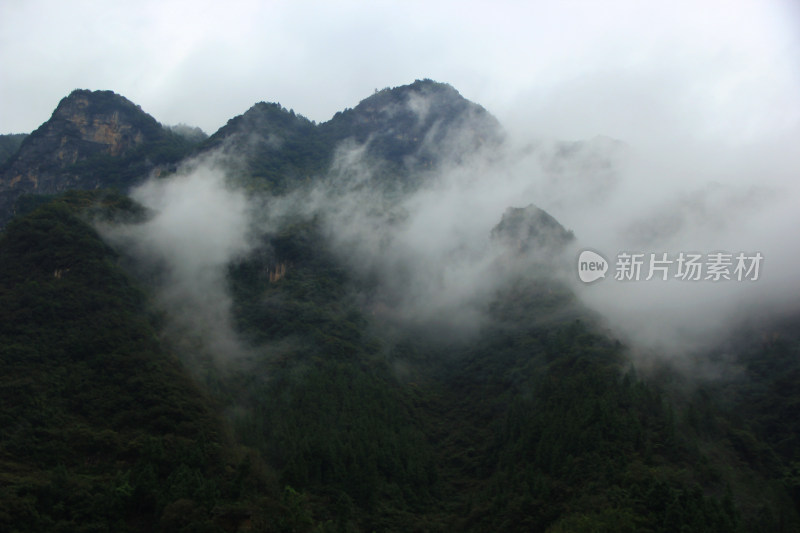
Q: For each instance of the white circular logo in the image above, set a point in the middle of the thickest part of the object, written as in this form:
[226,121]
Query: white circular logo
[591,266]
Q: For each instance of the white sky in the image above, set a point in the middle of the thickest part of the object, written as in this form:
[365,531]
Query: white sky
[723,70]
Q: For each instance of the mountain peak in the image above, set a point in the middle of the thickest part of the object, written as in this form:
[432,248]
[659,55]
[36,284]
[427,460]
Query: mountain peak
[93,139]
[413,101]
[531,229]
[262,118]
[416,126]
[427,87]
[110,122]
[87,98]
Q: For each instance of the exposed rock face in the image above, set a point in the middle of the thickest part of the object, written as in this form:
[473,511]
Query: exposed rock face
[530,229]
[86,125]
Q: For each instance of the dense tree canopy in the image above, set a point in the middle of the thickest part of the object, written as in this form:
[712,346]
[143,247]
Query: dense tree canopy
[333,417]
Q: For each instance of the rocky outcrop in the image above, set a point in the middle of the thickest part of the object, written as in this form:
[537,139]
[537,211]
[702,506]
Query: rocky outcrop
[87,129]
[277,273]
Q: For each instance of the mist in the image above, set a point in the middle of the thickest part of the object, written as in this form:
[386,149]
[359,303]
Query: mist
[197,225]
[423,257]
[702,199]
[432,252]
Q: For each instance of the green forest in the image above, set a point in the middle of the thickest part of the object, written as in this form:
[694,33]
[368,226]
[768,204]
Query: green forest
[336,418]
[535,428]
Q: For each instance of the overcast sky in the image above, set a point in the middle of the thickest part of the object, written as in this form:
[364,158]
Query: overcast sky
[571,69]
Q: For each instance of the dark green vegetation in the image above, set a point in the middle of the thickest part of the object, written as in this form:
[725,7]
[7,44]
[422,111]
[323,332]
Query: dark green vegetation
[531,428]
[162,152]
[100,428]
[271,145]
[337,418]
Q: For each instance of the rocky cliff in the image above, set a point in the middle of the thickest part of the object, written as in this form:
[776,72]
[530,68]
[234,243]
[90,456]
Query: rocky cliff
[93,139]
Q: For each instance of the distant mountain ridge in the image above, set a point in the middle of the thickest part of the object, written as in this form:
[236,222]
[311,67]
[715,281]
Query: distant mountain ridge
[99,139]
[406,129]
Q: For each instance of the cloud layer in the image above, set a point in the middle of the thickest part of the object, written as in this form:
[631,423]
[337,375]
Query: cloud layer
[198,225]
[429,254]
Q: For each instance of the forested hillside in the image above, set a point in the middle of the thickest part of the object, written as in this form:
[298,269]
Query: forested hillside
[320,367]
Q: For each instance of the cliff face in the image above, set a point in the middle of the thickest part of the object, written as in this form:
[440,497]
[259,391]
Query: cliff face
[88,128]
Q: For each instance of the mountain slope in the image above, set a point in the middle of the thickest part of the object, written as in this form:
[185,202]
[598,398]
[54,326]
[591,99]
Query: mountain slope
[98,139]
[341,414]
[100,428]
[535,425]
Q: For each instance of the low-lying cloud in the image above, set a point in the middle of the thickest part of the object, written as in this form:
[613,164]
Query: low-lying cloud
[736,199]
[432,250]
[425,257]
[197,225]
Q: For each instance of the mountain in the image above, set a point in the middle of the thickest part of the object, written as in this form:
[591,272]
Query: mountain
[526,229]
[416,126]
[94,139]
[404,130]
[332,410]
[271,146]
[98,139]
